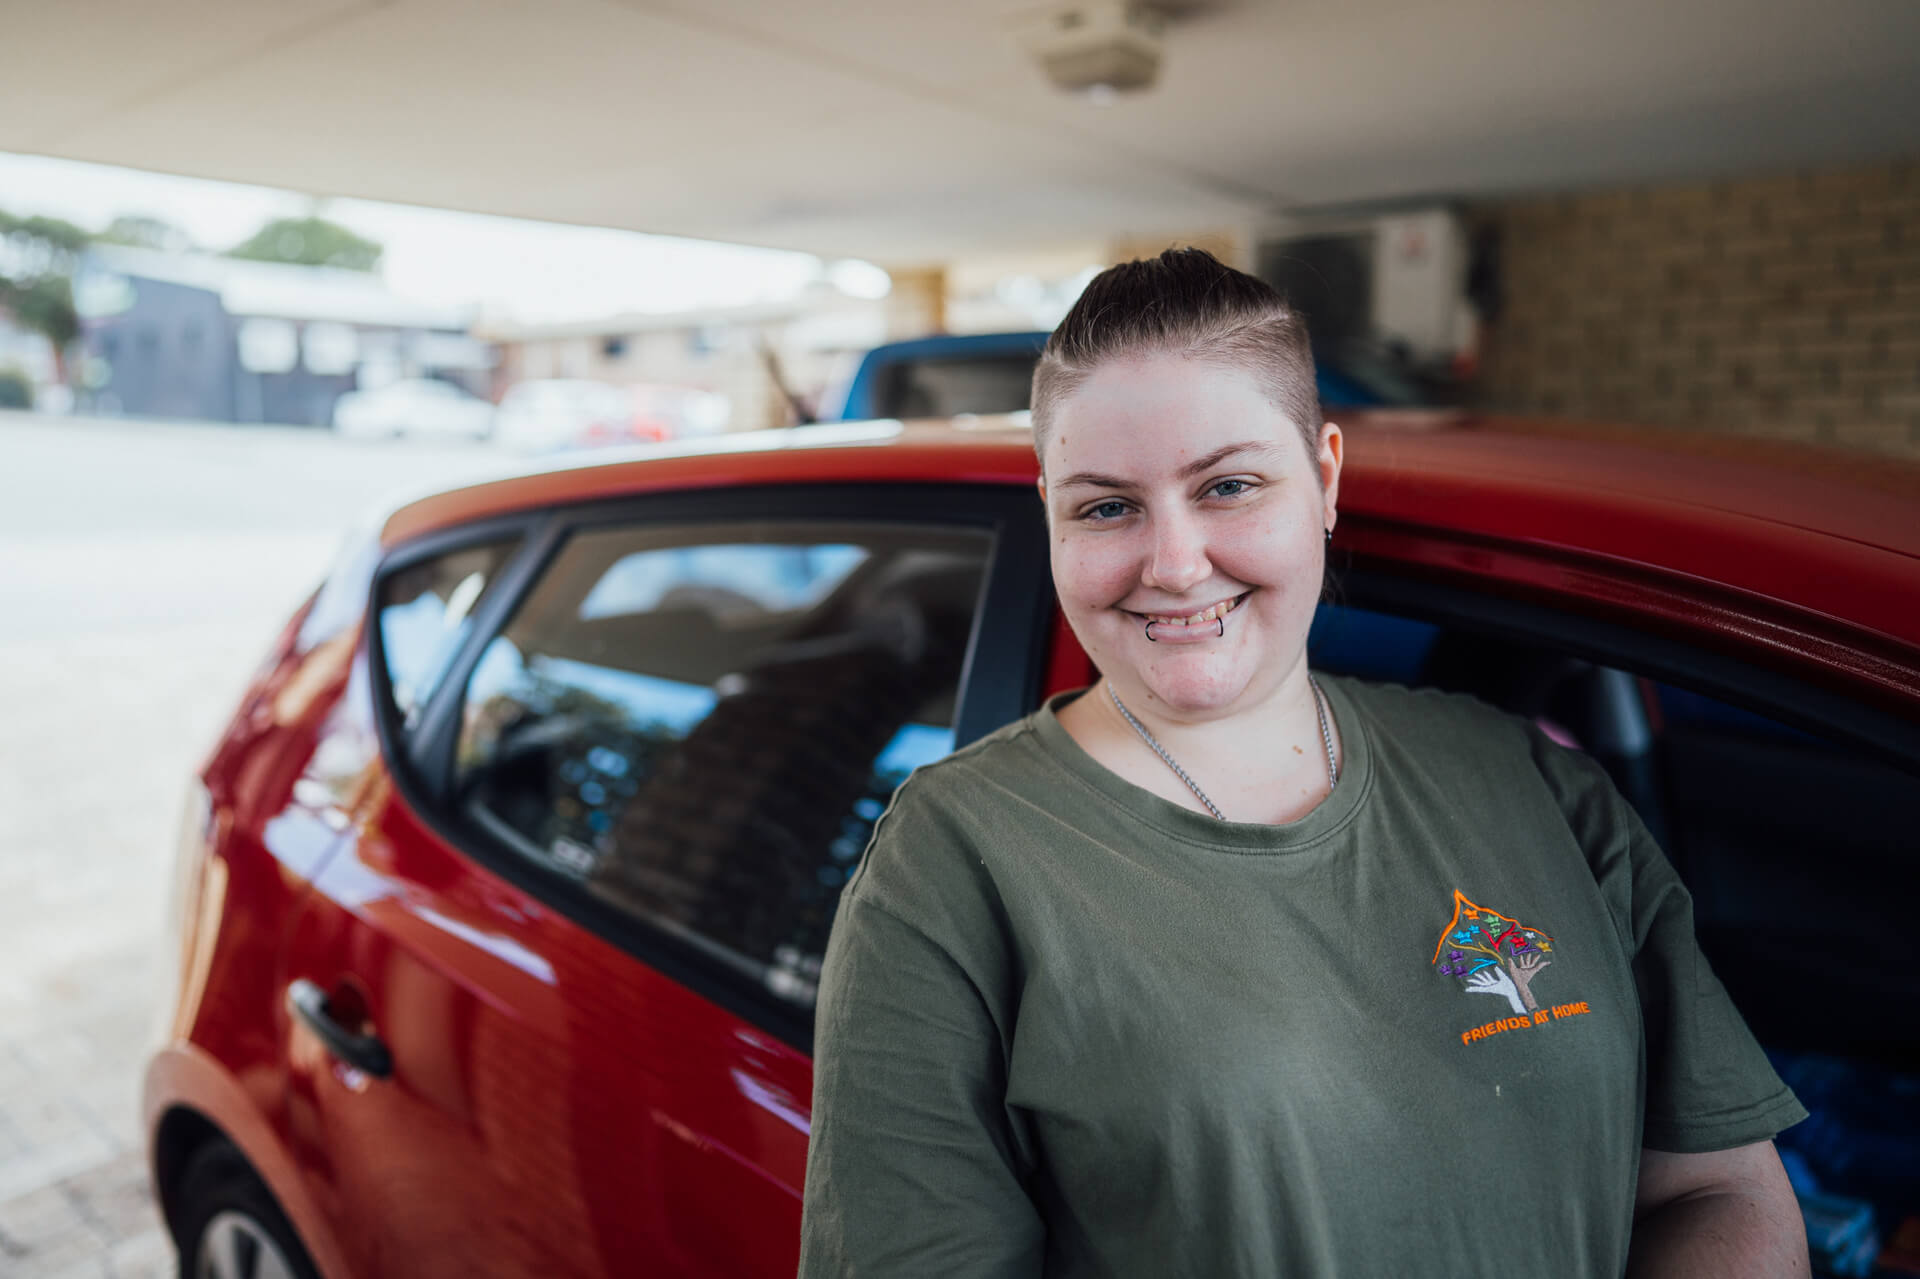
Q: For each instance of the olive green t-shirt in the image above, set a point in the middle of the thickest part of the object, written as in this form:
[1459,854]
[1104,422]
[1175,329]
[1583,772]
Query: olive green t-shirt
[1069,1028]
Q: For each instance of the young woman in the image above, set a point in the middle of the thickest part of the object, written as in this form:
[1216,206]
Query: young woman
[1223,968]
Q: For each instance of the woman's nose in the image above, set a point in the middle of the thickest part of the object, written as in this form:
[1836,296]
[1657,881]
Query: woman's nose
[1178,556]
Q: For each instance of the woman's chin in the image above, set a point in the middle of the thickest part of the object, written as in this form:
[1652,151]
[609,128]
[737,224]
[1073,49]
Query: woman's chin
[1202,688]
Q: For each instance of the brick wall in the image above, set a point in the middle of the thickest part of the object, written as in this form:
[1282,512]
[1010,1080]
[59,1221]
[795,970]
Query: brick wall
[1782,306]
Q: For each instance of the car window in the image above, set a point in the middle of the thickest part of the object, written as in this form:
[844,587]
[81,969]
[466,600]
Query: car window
[700,726]
[944,387]
[425,612]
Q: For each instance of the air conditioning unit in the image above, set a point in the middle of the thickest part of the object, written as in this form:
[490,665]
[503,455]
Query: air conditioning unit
[1394,281]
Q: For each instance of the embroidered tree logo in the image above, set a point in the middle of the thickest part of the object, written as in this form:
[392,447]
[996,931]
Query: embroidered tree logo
[1493,955]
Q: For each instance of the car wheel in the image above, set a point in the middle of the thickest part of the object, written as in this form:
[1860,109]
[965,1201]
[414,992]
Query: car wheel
[230,1227]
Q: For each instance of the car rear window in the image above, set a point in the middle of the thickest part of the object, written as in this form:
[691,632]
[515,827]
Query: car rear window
[952,385]
[700,726]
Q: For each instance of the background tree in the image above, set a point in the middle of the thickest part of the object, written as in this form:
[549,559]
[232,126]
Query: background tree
[309,241]
[1492,954]
[142,232]
[37,260]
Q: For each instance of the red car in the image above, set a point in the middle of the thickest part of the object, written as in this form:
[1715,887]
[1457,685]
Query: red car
[503,898]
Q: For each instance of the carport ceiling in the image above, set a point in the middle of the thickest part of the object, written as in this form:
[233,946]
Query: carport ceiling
[910,129]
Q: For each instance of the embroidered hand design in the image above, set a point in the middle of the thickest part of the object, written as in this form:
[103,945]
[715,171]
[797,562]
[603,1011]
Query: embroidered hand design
[1527,966]
[1494,981]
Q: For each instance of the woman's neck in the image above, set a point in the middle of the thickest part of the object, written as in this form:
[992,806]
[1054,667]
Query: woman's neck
[1266,762]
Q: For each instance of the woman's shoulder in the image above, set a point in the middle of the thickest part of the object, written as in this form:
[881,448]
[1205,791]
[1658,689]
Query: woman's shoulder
[937,834]
[967,781]
[1466,741]
[1399,712]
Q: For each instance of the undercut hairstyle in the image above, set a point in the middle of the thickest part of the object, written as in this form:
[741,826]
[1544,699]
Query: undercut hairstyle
[1185,302]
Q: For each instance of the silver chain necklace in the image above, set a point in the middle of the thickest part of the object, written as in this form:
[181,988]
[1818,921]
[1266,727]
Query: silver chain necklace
[1326,736]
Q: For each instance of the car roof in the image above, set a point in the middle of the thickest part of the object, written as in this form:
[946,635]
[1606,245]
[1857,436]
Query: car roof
[1833,532]
[959,345]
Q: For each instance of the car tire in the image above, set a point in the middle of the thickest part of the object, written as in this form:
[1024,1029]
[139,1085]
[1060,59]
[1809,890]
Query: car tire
[230,1226]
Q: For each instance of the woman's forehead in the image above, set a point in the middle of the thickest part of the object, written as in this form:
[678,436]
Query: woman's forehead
[1164,409]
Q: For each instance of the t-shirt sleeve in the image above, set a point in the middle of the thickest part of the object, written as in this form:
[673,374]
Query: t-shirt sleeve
[913,1165]
[1709,1085]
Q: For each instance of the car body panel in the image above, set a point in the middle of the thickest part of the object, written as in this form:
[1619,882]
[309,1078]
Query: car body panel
[185,1077]
[279,785]
[524,1051]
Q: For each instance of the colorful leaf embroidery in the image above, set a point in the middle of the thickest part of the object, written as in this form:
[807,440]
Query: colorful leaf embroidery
[1492,954]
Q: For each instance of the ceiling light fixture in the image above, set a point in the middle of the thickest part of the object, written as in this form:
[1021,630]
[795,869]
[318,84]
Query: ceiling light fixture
[1099,48]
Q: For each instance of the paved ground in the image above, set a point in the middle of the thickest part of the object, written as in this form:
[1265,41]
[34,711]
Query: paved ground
[143,571]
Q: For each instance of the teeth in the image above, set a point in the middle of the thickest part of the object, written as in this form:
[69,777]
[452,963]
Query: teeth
[1212,613]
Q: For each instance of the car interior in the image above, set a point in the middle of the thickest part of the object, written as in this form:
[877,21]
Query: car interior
[709,753]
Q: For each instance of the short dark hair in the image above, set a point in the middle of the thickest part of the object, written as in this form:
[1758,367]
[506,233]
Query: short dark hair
[1189,303]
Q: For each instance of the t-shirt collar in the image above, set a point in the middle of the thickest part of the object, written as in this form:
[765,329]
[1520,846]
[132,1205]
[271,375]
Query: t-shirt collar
[1188,826]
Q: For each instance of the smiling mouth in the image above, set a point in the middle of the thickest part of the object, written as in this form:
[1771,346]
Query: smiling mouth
[1205,617]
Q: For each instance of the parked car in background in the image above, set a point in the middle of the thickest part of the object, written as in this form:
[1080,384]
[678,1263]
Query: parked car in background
[504,895]
[953,374]
[546,414]
[413,406]
[654,414]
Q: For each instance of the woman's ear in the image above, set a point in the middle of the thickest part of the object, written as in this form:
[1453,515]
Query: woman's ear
[1331,454]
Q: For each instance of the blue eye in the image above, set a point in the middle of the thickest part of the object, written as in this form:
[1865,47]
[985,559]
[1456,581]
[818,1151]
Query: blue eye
[1107,511]
[1229,488]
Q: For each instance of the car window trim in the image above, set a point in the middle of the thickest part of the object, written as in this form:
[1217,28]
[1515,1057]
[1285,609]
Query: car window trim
[397,742]
[1001,679]
[429,752]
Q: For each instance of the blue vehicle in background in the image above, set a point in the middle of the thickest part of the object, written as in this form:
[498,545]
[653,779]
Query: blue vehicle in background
[947,375]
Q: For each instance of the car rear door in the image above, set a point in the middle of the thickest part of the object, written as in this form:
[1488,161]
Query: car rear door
[554,997]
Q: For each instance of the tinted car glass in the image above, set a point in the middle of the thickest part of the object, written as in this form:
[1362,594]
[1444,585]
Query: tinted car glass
[700,726]
[1799,853]
[946,387]
[425,613]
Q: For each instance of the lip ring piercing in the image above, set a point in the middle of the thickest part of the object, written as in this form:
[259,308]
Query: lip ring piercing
[1153,639]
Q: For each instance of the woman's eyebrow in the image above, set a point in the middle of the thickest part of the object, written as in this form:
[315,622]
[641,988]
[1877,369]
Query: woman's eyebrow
[1265,448]
[1094,479]
[1089,479]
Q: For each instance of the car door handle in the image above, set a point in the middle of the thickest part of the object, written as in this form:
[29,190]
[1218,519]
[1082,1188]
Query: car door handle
[364,1053]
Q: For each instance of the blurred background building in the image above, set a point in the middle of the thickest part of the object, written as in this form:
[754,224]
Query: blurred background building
[220,339]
